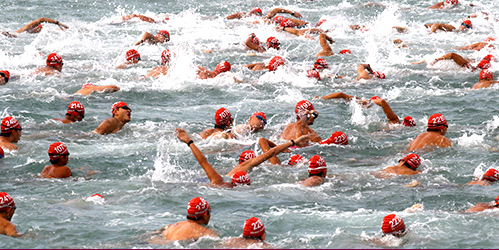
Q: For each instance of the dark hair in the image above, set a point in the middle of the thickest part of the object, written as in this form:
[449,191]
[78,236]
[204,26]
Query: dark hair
[221,126]
[6,134]
[253,238]
[433,130]
[197,218]
[55,161]
[318,174]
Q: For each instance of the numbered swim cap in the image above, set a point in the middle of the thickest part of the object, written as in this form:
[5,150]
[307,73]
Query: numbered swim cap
[5,74]
[321,64]
[132,55]
[273,42]
[253,227]
[413,161]
[491,175]
[76,108]
[316,165]
[337,137]
[9,123]
[241,178]
[486,75]
[6,201]
[409,122]
[287,23]
[222,116]
[275,62]
[197,208]
[256,10]
[303,105]
[296,159]
[437,121]
[246,155]
[313,73]
[57,150]
[392,224]
[53,60]
[345,51]
[379,74]
[278,19]
[223,66]
[166,56]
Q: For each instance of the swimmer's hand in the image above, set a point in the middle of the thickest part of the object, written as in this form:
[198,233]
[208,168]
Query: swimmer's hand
[422,61]
[182,135]
[302,140]
[413,183]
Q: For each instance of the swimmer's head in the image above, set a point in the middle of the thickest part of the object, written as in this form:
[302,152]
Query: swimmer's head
[256,11]
[409,122]
[166,56]
[118,105]
[36,29]
[296,159]
[345,51]
[490,58]
[451,2]
[54,60]
[9,124]
[303,105]
[313,73]
[484,64]
[491,175]
[317,166]
[223,117]
[132,56]
[86,85]
[5,74]
[466,24]
[223,66]
[321,64]
[246,155]
[241,178]
[197,208]
[337,137]
[380,75]
[411,161]
[489,39]
[6,202]
[255,40]
[253,228]
[278,19]
[485,74]
[57,150]
[394,225]
[257,121]
[437,122]
[165,34]
[275,62]
[273,42]
[76,108]
[287,23]
[319,23]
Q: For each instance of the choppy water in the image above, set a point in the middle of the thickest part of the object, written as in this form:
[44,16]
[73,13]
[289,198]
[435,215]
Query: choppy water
[147,176]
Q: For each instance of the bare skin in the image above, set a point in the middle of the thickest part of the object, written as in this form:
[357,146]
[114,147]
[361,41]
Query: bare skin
[444,27]
[256,66]
[301,127]
[8,142]
[33,24]
[338,95]
[249,43]
[203,73]
[430,139]
[218,133]
[476,46]
[141,17]
[459,60]
[57,170]
[158,71]
[484,83]
[152,39]
[241,242]
[6,227]
[390,115]
[399,169]
[187,230]
[89,89]
[127,64]
[215,178]
[276,11]
[313,181]
[69,118]
[266,145]
[481,206]
[48,70]
[364,71]
[301,32]
[479,182]
[254,125]
[326,49]
[114,124]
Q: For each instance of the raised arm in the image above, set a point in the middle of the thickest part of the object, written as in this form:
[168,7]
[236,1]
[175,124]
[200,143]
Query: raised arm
[274,12]
[249,42]
[249,164]
[107,88]
[146,37]
[38,21]
[390,115]
[326,49]
[363,71]
[339,95]
[237,15]
[214,177]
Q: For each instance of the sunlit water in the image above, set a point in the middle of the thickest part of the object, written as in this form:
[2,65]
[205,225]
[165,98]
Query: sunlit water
[147,176]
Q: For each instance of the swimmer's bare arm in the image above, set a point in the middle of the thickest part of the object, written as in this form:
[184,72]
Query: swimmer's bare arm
[326,49]
[441,26]
[36,22]
[237,15]
[390,115]
[141,17]
[363,71]
[274,12]
[5,33]
[247,165]
[107,88]
[338,95]
[256,66]
[214,177]
[106,127]
[147,37]
[10,230]
[438,5]
[253,46]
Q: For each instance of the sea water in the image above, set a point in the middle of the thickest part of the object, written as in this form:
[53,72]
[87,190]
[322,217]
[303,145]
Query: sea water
[147,176]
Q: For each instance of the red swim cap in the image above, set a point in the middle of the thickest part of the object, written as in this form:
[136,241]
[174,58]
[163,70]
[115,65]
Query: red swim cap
[255,40]
[319,23]
[316,165]
[491,175]
[273,42]
[451,2]
[489,39]
[36,29]
[222,117]
[345,51]
[57,150]
[2,154]
[409,122]
[468,22]
[412,160]
[197,208]
[379,74]
[337,137]
[246,155]
[296,159]
[375,97]
[97,195]
[223,66]
[165,56]
[5,74]
[241,178]
[164,33]
[118,105]
[132,54]
[489,57]
[437,121]
[287,23]
[485,74]
[321,64]
[76,108]
[86,85]
[256,10]
[278,19]
[275,62]
[53,60]
[260,114]
[303,105]
[313,73]
[392,224]
[253,227]
[6,201]
[9,123]
[484,64]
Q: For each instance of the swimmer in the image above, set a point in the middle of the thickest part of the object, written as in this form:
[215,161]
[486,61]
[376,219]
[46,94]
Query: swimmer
[390,115]
[301,32]
[222,67]
[486,79]
[59,156]
[254,12]
[479,46]
[89,88]
[253,233]
[406,166]
[326,49]
[7,210]
[162,36]
[35,25]
[305,116]
[459,60]
[256,122]
[132,57]
[393,225]
[337,137]
[238,173]
[482,206]
[364,71]
[246,155]
[54,65]
[288,22]
[258,12]
[121,115]
[195,227]
[10,133]
[295,160]
[4,77]
[465,26]
[140,17]
[319,66]
[317,171]
[253,43]
[273,65]
[489,177]
[164,67]
[444,5]
[75,113]
[223,125]
[435,135]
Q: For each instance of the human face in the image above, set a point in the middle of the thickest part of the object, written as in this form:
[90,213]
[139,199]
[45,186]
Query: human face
[124,114]
[17,134]
[257,122]
[58,67]
[3,81]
